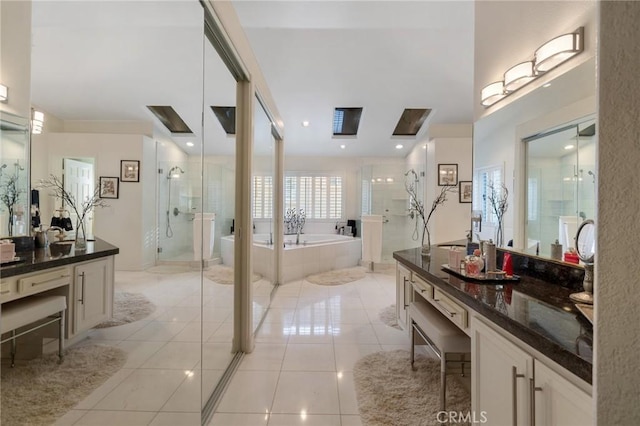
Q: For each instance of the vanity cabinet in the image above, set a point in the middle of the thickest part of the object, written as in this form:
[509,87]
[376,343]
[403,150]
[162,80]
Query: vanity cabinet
[404,293]
[93,293]
[510,386]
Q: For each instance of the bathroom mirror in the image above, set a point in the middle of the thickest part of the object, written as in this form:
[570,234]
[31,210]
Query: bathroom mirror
[15,217]
[560,184]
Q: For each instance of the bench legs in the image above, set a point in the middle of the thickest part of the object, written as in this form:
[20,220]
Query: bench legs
[61,325]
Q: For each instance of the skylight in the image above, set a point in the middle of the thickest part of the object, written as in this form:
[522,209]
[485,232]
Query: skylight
[226,115]
[346,121]
[411,121]
[170,118]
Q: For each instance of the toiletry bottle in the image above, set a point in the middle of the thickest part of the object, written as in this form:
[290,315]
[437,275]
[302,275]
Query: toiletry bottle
[507,264]
[556,251]
[490,256]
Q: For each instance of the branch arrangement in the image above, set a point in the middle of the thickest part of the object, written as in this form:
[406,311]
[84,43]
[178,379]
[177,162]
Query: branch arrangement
[416,206]
[497,197]
[10,193]
[83,208]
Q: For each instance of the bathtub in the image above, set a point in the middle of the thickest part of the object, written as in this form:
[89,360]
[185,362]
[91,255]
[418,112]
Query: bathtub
[316,253]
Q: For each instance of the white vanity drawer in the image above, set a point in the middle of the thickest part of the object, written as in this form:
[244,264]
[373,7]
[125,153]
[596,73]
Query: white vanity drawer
[423,288]
[45,281]
[455,312]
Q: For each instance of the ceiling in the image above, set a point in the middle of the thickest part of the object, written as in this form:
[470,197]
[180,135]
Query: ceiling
[108,60]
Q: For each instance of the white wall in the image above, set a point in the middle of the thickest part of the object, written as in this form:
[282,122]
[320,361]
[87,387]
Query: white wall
[124,222]
[617,341]
[15,55]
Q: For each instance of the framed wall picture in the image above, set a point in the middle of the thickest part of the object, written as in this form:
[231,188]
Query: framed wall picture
[465,191]
[130,171]
[109,187]
[447,174]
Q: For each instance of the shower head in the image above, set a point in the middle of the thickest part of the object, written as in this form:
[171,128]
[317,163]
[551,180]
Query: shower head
[173,172]
[593,175]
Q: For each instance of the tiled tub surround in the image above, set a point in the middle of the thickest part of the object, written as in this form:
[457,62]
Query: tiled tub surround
[537,311]
[316,253]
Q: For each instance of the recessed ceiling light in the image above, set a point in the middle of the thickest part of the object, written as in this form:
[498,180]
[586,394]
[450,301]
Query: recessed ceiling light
[389,179]
[424,146]
[343,146]
[189,143]
[568,147]
[305,123]
[399,146]
[546,85]
[378,179]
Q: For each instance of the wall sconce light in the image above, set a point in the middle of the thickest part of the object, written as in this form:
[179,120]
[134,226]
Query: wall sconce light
[37,121]
[547,57]
[4,93]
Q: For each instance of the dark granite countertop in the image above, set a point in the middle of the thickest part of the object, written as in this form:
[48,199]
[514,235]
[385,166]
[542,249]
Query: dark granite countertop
[535,311]
[42,258]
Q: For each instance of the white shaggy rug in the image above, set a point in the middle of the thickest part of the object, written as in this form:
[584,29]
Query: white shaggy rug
[39,391]
[337,276]
[389,393]
[222,274]
[128,307]
[388,316]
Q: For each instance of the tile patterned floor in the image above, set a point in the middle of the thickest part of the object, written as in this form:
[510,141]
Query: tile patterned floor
[299,373]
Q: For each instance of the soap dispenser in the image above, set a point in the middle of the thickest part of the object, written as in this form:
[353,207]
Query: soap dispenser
[556,251]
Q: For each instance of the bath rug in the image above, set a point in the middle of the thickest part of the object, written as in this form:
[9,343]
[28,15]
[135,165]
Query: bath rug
[388,317]
[222,274]
[168,269]
[389,393]
[337,276]
[38,391]
[128,307]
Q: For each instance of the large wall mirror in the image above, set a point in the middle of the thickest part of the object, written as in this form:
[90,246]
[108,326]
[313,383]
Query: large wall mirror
[550,185]
[14,175]
[560,185]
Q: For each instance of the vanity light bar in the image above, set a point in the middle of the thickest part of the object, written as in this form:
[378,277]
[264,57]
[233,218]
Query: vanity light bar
[547,57]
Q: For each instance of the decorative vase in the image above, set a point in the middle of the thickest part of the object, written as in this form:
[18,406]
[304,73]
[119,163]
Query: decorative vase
[81,236]
[425,250]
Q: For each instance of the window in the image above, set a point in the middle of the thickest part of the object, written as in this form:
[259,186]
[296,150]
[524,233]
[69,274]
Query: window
[482,182]
[319,195]
[262,197]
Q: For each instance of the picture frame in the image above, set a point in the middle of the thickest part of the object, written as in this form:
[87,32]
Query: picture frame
[109,187]
[465,191]
[447,174]
[130,170]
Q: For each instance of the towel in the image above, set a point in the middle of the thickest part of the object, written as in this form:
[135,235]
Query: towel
[372,238]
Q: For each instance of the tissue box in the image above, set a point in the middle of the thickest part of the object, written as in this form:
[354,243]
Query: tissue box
[455,257]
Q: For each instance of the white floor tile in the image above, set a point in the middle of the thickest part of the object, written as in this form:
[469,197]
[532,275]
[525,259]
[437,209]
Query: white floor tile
[303,420]
[347,393]
[187,398]
[391,336]
[350,420]
[175,419]
[110,418]
[138,352]
[231,419]
[348,355]
[354,334]
[103,390]
[70,418]
[311,392]
[158,331]
[309,357]
[143,390]
[265,356]
[249,392]
[175,356]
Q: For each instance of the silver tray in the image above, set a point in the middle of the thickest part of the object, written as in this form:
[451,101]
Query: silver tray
[495,277]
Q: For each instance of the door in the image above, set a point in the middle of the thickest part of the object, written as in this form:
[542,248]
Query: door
[92,295]
[79,182]
[499,379]
[558,401]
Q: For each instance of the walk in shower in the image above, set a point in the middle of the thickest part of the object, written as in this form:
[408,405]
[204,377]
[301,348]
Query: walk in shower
[383,193]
